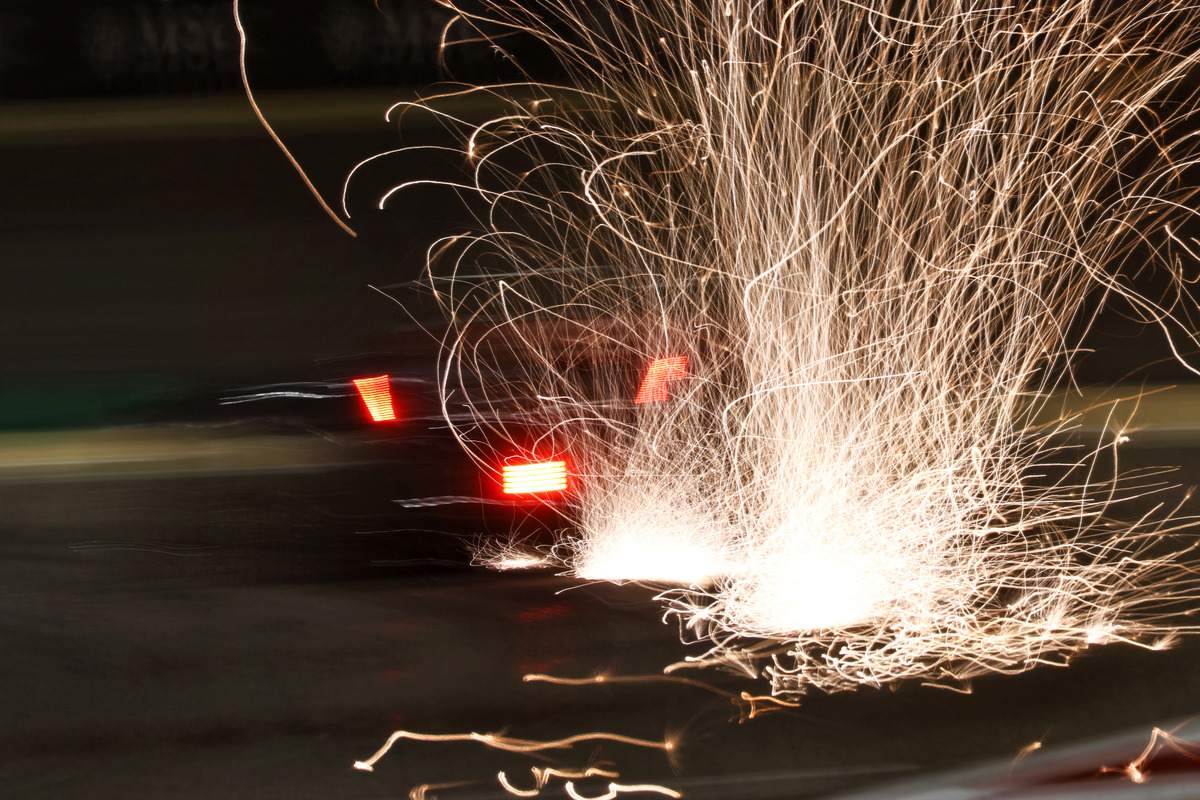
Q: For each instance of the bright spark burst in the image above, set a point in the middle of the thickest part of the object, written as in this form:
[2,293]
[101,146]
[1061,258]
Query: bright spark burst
[875,232]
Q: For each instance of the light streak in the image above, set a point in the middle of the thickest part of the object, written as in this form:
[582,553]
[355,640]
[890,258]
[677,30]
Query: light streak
[596,680]
[543,775]
[250,398]
[751,706]
[748,706]
[1137,771]
[509,744]
[1023,753]
[877,235]
[237,21]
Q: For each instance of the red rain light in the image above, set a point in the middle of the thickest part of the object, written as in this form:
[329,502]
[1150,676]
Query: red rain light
[376,394]
[546,476]
[660,371]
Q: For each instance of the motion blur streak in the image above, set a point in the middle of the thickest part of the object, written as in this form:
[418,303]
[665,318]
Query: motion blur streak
[879,230]
[541,775]
[747,706]
[237,19]
[422,792]
[537,677]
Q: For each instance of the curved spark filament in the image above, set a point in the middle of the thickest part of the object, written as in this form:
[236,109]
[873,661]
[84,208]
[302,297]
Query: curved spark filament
[509,744]
[502,779]
[751,706]
[617,789]
[518,562]
[237,20]
[536,677]
[543,775]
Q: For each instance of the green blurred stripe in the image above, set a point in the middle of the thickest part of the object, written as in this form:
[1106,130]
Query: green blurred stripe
[49,402]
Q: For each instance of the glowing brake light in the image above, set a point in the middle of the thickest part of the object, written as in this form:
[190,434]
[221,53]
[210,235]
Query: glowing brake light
[660,371]
[376,394]
[547,476]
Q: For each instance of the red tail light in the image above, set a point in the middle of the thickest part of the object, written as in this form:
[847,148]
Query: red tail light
[545,476]
[376,394]
[660,371]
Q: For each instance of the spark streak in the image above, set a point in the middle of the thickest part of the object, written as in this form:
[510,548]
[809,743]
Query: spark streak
[509,744]
[543,775]
[1160,740]
[595,680]
[748,706]
[877,233]
[237,21]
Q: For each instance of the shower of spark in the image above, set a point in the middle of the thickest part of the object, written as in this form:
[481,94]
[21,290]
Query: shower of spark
[874,233]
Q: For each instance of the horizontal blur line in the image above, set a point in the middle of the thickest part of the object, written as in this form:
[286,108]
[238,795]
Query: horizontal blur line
[91,121]
[1181,436]
[1164,414]
[1167,418]
[159,118]
[43,477]
[161,452]
[491,276]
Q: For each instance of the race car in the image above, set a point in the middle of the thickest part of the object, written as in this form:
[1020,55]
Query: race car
[414,412]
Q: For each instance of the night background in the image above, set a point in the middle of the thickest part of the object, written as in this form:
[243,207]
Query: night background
[206,599]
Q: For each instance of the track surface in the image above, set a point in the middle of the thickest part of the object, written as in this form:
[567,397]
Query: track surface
[253,636]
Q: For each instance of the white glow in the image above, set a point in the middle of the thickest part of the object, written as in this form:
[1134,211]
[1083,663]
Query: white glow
[654,541]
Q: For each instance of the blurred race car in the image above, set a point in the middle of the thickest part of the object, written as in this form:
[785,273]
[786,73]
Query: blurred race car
[387,405]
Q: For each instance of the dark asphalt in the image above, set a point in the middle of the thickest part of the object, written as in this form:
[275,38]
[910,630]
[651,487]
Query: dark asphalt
[253,636]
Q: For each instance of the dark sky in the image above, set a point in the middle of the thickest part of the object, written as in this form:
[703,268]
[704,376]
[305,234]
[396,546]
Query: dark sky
[121,47]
